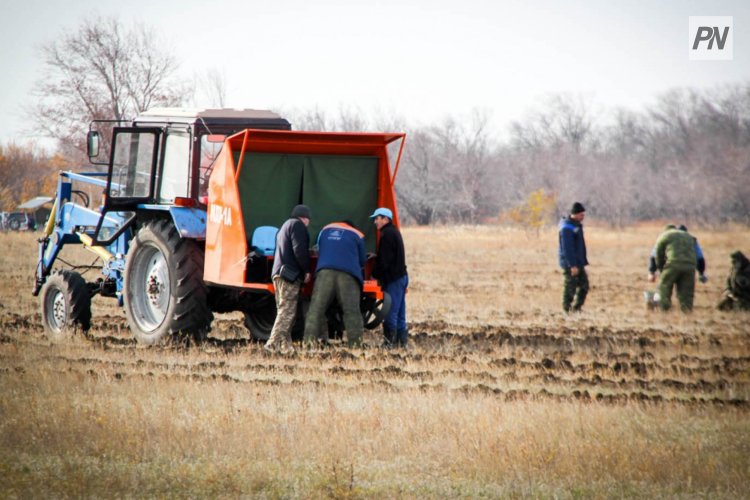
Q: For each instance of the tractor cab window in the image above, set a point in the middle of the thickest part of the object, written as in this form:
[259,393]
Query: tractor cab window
[210,148]
[175,174]
[132,164]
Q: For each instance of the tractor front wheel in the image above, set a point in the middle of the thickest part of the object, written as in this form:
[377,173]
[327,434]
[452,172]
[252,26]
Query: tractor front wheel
[164,291]
[66,305]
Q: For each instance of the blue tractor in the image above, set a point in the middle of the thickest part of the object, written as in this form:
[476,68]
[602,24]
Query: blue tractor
[149,229]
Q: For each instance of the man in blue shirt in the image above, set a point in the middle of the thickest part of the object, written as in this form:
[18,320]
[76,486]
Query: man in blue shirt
[572,254]
[341,256]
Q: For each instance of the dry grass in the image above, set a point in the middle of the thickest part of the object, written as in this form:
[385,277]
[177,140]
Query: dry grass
[502,395]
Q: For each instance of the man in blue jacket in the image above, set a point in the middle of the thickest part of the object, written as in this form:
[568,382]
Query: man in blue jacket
[341,256]
[572,253]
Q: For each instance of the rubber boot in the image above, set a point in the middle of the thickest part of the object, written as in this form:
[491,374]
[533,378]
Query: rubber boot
[389,337]
[402,337]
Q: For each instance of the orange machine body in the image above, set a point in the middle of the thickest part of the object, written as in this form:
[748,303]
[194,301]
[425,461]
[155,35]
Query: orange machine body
[227,230]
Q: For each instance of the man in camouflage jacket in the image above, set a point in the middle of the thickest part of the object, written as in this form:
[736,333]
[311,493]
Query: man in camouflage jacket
[737,294]
[676,260]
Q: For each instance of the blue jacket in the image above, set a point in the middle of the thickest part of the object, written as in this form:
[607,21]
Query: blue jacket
[342,248]
[572,249]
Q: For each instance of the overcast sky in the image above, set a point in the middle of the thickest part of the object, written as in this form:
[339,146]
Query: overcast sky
[420,59]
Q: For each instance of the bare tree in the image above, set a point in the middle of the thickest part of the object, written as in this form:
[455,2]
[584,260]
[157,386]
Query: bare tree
[101,71]
[565,121]
[213,83]
[421,183]
[314,119]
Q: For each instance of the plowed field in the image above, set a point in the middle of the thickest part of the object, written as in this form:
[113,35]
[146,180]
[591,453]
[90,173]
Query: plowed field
[499,394]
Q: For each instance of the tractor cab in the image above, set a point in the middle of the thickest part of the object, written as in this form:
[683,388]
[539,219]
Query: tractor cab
[165,157]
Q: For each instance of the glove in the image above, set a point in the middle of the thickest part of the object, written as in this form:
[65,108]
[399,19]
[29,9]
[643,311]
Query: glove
[702,278]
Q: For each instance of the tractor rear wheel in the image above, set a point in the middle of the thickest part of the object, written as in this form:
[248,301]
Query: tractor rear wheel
[164,291]
[66,305]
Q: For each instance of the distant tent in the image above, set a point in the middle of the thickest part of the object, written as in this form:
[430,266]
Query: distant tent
[36,209]
[35,203]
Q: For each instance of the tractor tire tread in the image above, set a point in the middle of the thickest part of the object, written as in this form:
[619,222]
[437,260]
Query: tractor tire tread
[77,297]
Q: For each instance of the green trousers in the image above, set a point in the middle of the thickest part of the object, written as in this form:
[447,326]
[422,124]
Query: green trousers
[575,289]
[681,278]
[331,284]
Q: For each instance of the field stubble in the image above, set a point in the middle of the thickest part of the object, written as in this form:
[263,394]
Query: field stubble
[501,394]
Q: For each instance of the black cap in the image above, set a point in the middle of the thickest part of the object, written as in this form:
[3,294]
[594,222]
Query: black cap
[301,211]
[682,227]
[577,208]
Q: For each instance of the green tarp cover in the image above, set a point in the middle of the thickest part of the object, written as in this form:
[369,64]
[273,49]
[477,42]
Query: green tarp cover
[335,188]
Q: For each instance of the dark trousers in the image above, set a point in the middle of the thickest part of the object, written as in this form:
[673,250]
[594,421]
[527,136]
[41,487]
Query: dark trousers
[682,279]
[575,289]
[396,318]
[330,284]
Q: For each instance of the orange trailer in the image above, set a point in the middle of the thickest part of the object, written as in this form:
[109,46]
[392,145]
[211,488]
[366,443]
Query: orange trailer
[260,175]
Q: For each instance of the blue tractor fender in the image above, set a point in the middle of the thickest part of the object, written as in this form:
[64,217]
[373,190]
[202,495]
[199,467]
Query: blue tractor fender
[190,222]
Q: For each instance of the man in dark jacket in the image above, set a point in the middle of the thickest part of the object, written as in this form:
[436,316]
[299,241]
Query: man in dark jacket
[341,256]
[572,255]
[291,266]
[736,296]
[676,260]
[390,271]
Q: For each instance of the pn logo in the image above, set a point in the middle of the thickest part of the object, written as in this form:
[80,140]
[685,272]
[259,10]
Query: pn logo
[711,38]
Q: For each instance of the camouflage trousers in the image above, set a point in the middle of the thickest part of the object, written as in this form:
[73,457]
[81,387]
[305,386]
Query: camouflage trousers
[731,301]
[331,284]
[737,294]
[683,280]
[287,295]
[575,289]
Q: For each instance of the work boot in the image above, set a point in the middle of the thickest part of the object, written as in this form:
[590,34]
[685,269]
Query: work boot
[286,348]
[272,347]
[389,337]
[402,337]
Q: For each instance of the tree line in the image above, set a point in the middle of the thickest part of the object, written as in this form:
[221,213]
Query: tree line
[686,157]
